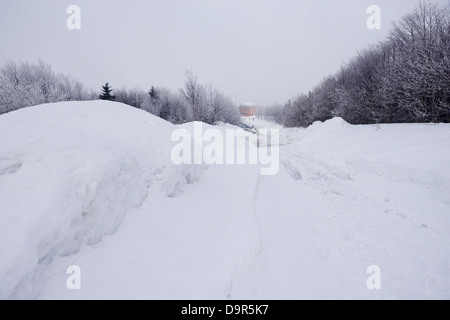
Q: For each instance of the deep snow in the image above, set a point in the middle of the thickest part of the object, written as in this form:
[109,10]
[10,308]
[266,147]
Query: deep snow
[69,174]
[92,184]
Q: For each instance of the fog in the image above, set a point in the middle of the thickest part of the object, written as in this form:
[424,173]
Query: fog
[256,51]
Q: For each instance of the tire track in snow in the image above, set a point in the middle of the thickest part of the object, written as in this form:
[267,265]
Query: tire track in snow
[244,281]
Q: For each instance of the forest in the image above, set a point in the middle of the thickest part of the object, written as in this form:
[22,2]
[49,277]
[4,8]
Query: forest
[404,79]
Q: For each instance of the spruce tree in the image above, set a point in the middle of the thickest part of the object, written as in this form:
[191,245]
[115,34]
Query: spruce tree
[106,93]
[153,93]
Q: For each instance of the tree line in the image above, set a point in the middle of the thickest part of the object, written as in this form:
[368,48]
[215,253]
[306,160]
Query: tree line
[403,79]
[26,84]
[194,102]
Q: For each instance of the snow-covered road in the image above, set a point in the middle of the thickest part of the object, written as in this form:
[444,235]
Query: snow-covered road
[345,198]
[330,214]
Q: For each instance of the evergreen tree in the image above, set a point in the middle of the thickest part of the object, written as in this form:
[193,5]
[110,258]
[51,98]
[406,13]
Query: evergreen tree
[106,93]
[153,93]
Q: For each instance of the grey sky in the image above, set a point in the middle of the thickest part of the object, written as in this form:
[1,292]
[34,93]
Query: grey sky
[260,51]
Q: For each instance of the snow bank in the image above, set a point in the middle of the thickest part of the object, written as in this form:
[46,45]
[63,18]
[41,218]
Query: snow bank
[92,185]
[353,196]
[69,173]
[414,146]
[192,246]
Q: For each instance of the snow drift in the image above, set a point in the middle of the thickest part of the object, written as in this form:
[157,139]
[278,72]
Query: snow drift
[92,184]
[69,173]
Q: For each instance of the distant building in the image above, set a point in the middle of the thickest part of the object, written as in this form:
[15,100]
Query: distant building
[247,109]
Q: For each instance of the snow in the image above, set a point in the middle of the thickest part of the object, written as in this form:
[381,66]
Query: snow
[92,184]
[355,196]
[248,104]
[69,173]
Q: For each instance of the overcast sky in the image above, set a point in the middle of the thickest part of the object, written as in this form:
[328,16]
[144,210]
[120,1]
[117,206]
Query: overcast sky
[261,51]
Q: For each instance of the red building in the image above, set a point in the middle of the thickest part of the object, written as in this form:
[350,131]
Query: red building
[247,109]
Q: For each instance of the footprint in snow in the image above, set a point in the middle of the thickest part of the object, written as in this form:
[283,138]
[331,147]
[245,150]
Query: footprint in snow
[9,166]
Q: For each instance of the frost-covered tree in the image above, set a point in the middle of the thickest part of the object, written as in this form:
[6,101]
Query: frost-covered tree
[25,84]
[197,97]
[405,78]
[193,93]
[135,97]
[152,102]
[174,107]
[208,104]
[122,96]
[223,108]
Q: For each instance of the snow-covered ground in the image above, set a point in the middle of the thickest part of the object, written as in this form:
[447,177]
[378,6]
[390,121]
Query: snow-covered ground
[92,184]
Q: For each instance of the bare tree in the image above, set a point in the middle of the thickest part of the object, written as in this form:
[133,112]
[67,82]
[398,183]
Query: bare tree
[194,94]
